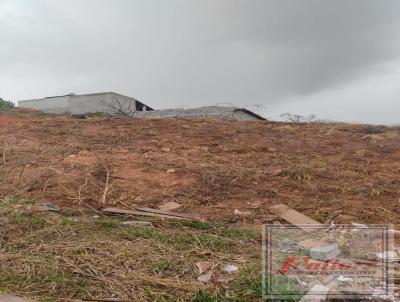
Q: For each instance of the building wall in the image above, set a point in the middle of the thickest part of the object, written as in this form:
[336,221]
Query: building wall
[110,102]
[82,104]
[107,103]
[58,104]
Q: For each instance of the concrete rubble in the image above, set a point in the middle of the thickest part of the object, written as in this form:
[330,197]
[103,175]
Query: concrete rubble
[317,293]
[205,278]
[325,251]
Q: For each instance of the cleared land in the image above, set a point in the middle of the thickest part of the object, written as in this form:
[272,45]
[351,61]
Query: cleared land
[329,172]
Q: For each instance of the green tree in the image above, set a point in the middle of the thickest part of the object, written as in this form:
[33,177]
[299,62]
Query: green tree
[5,105]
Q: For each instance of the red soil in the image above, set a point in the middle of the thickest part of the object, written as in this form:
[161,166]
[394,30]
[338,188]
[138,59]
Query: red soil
[340,172]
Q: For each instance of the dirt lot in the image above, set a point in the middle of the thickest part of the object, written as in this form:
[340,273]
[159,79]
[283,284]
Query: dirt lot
[331,172]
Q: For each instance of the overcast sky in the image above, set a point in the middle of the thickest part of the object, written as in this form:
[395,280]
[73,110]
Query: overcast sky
[337,59]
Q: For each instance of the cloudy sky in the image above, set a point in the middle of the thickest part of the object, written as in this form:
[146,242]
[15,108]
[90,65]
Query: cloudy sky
[337,59]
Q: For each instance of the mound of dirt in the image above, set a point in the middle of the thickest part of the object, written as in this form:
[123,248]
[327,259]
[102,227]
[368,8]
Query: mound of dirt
[330,172]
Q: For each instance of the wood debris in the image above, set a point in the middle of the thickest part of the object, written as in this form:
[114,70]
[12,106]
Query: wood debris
[150,212]
[241,213]
[168,213]
[44,207]
[294,217]
[105,300]
[7,298]
[359,225]
[169,206]
[204,266]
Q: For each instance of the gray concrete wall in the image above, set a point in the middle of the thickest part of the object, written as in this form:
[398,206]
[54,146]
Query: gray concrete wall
[107,103]
[59,104]
[82,104]
[208,111]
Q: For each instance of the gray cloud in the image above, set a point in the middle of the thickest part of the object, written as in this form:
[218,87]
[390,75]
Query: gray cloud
[180,52]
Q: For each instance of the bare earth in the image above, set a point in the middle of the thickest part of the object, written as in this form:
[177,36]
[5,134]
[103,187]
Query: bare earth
[330,172]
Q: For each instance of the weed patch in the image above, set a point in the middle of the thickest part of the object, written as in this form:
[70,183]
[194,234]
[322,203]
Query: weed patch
[142,233]
[106,224]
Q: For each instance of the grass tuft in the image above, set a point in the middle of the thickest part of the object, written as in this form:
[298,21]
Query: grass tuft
[106,223]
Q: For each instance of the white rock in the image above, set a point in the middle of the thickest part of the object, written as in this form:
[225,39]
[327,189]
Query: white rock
[137,223]
[230,268]
[205,278]
[238,212]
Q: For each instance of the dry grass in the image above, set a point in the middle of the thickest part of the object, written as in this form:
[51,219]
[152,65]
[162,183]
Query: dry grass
[60,257]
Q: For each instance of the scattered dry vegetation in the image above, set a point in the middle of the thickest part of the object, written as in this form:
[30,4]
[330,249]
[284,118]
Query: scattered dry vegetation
[330,172]
[70,255]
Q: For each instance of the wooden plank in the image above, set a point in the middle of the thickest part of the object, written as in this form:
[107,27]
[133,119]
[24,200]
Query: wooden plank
[366,262]
[141,213]
[294,217]
[7,298]
[169,206]
[168,213]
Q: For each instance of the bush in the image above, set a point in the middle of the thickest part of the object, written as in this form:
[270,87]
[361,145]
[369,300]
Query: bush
[296,118]
[5,105]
